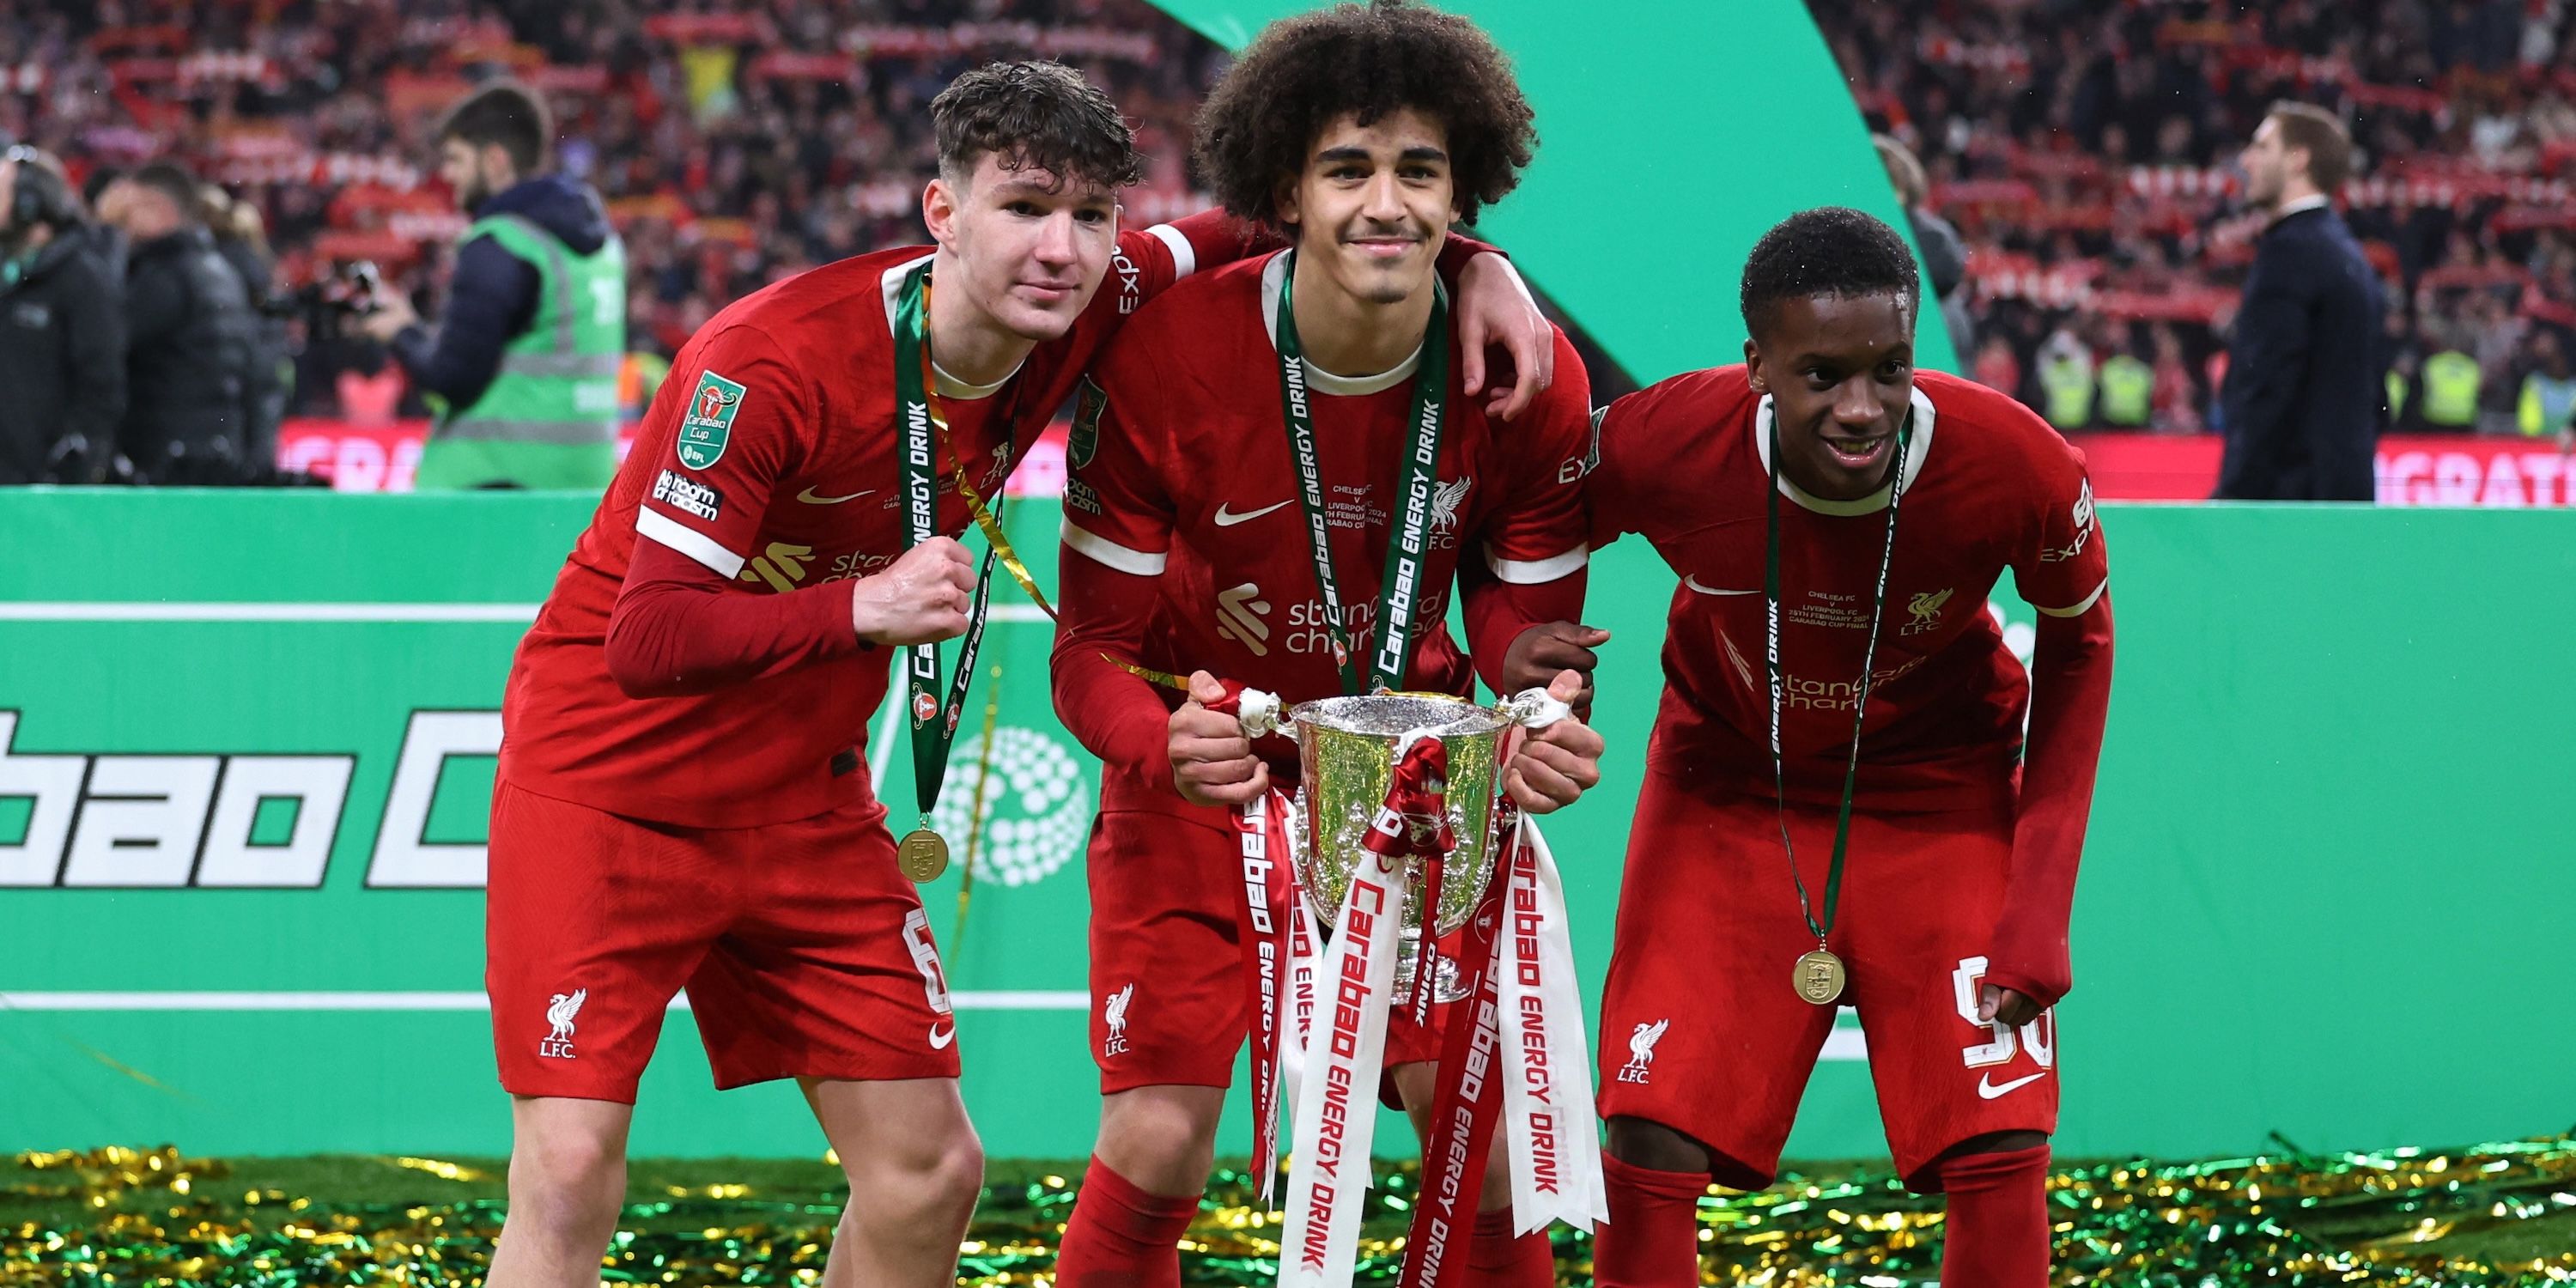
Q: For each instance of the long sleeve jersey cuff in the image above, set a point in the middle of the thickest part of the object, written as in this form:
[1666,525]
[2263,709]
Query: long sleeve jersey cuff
[2070,699]
[679,628]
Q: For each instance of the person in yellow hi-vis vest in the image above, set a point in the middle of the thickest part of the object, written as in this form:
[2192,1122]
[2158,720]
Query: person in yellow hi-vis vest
[2450,390]
[2548,404]
[522,370]
[2066,382]
[2128,391]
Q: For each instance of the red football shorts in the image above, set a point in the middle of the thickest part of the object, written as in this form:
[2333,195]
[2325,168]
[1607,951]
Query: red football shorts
[1702,1030]
[803,948]
[1168,995]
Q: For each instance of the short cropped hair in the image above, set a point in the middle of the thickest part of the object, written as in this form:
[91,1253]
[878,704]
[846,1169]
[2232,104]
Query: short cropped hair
[1830,250]
[2327,140]
[1038,115]
[504,115]
[1303,73]
[172,180]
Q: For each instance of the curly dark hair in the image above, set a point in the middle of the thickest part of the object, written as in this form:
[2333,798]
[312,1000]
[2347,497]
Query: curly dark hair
[1039,114]
[1830,250]
[1371,61]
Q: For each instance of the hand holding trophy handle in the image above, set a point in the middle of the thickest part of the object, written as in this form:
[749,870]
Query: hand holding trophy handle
[1211,744]
[1559,757]
[1259,712]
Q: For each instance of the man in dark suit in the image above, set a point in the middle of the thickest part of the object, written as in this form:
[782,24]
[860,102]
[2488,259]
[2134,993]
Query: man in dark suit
[2306,368]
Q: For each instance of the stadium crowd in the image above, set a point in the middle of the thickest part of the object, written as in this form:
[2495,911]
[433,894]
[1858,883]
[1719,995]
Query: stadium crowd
[2084,150]
[731,148]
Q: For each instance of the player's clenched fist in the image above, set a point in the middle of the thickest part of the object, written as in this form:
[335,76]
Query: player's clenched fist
[1212,762]
[1555,764]
[922,598]
[1541,651]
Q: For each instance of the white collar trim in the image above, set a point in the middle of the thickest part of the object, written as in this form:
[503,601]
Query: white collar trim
[1915,454]
[1273,274]
[2314,202]
[944,384]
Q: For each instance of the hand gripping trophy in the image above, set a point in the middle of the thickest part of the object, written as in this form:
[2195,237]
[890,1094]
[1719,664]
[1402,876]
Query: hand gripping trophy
[1400,837]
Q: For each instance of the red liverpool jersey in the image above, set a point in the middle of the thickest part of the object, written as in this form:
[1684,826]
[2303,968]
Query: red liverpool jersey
[1184,474]
[770,458]
[1987,486]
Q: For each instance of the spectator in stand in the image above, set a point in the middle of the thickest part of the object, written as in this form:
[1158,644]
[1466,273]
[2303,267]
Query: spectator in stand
[101,237]
[2547,407]
[2177,395]
[62,337]
[1997,368]
[524,364]
[189,337]
[243,242]
[2066,382]
[2499,339]
[2305,372]
[1945,256]
[2128,387]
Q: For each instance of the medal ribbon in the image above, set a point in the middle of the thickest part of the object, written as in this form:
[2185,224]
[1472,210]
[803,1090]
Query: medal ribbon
[1400,585]
[925,435]
[1860,703]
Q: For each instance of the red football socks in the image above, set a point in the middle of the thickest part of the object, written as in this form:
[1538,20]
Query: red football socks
[1652,1238]
[1998,1223]
[1122,1237]
[1497,1258]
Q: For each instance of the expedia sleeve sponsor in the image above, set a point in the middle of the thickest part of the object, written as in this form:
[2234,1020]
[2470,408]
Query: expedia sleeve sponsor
[688,495]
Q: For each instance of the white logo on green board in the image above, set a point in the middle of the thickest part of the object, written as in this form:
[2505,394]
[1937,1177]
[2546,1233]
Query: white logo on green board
[1035,814]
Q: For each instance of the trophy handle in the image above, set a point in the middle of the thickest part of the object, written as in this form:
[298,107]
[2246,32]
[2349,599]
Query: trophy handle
[1258,712]
[1534,709]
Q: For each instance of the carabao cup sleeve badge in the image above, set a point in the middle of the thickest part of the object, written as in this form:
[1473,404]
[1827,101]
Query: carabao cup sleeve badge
[708,424]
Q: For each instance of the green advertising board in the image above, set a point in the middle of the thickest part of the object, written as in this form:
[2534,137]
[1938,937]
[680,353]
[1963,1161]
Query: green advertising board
[248,751]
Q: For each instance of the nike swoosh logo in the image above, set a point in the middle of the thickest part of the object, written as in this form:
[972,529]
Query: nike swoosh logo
[807,496]
[1227,519]
[939,1041]
[1986,1088]
[1692,581]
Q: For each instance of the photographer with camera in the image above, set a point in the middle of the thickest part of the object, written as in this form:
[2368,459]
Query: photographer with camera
[190,337]
[62,340]
[523,368]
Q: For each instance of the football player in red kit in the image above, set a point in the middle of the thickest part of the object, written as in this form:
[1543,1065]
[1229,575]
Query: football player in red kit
[1255,447]
[1244,465]
[682,798]
[1837,692]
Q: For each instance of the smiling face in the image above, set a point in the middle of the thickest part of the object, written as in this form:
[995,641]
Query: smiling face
[1033,247]
[1840,372]
[1372,204]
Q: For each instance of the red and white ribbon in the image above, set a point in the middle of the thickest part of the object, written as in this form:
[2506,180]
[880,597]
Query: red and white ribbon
[1269,876]
[1462,1115]
[1328,1173]
[1548,1114]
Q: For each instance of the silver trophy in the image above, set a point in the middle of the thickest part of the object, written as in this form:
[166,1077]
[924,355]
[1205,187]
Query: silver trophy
[1346,751]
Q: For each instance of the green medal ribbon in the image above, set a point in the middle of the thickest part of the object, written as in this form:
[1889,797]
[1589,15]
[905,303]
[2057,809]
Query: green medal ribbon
[925,430]
[1400,586]
[1860,703]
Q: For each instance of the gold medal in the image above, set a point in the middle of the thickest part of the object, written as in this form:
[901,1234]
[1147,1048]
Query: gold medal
[923,856]
[1819,978]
